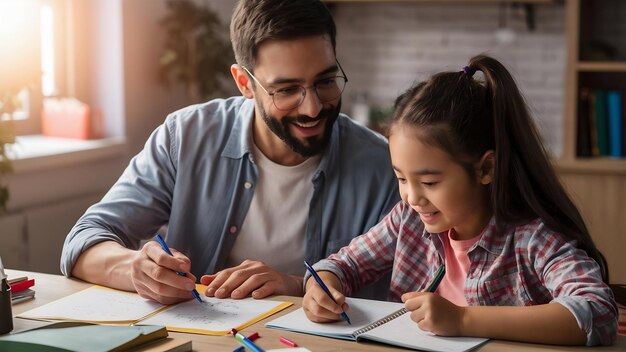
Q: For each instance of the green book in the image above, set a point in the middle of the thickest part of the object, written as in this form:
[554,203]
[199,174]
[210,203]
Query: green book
[66,336]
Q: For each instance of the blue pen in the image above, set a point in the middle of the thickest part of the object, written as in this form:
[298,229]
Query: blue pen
[246,341]
[167,250]
[323,286]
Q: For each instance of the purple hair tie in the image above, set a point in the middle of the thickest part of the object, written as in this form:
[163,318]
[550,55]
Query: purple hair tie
[469,71]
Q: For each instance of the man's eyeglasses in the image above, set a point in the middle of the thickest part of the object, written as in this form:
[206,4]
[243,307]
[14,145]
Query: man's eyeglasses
[290,97]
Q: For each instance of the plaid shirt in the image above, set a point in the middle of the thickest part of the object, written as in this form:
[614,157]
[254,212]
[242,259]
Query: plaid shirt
[528,265]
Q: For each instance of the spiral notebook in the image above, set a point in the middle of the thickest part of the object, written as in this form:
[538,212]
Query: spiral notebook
[385,322]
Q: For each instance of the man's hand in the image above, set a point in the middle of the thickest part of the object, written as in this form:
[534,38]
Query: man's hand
[251,278]
[153,274]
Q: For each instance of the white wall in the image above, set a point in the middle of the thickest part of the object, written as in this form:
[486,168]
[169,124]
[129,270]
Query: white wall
[386,47]
[146,102]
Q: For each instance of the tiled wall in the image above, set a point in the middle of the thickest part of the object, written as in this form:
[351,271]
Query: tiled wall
[384,48]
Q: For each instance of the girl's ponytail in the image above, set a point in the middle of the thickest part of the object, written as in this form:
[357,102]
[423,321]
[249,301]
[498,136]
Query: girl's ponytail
[525,184]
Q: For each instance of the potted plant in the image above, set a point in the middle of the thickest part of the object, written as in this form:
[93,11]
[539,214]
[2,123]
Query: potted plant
[197,50]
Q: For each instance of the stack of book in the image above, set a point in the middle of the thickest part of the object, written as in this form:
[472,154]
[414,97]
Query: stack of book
[601,123]
[21,289]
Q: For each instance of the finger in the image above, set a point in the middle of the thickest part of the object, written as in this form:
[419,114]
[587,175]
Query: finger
[235,280]
[206,279]
[159,256]
[415,303]
[327,303]
[218,279]
[317,312]
[417,316]
[318,319]
[153,274]
[145,292]
[186,262]
[165,282]
[258,285]
[425,325]
[148,288]
[408,295]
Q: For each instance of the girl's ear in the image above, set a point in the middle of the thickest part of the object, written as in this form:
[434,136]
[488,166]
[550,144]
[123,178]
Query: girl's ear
[486,167]
[241,78]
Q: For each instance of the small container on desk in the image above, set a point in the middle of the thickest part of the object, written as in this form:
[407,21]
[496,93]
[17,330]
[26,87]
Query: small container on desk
[6,314]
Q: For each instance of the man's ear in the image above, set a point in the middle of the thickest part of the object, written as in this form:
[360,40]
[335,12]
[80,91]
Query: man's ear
[486,167]
[241,79]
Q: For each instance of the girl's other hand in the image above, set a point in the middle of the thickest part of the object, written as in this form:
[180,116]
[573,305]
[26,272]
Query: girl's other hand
[434,313]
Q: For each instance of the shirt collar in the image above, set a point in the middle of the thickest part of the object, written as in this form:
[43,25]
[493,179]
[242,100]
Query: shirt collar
[491,240]
[240,137]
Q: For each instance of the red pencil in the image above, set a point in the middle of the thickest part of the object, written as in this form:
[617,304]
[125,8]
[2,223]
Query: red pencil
[21,286]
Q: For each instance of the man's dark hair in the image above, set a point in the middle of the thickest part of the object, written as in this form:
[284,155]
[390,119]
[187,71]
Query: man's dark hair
[255,21]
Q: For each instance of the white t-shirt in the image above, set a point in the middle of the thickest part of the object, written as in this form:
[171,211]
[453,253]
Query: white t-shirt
[274,228]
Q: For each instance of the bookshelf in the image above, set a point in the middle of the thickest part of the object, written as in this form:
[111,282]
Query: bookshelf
[597,183]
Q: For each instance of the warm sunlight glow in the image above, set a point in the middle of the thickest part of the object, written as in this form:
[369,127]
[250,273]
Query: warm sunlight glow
[13,21]
[19,49]
[19,35]
[47,51]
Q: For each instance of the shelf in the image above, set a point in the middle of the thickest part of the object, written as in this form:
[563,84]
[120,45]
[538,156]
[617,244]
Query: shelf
[601,66]
[595,165]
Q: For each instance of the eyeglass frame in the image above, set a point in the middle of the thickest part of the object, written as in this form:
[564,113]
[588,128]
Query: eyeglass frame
[344,76]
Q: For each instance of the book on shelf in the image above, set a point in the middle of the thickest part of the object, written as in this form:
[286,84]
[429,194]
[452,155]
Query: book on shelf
[583,128]
[614,113]
[76,336]
[602,122]
[623,123]
[101,305]
[593,132]
[385,322]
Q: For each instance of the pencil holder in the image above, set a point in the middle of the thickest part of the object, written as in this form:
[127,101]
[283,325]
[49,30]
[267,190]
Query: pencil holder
[6,315]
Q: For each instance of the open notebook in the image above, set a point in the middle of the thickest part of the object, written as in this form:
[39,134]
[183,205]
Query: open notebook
[385,322]
[103,305]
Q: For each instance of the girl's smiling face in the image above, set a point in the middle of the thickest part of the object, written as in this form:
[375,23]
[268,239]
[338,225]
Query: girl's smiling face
[439,188]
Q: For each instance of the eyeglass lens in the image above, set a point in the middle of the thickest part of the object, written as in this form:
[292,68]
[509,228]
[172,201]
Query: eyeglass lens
[327,90]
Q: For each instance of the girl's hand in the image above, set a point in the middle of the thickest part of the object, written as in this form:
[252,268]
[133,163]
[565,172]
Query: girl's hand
[434,313]
[320,308]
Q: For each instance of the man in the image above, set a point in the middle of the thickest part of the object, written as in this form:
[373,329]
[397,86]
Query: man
[248,186]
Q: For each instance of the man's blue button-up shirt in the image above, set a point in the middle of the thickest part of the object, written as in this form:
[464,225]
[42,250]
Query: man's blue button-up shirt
[195,175]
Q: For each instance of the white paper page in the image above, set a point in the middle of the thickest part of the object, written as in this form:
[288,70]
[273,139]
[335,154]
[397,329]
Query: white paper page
[214,314]
[404,332]
[96,304]
[362,312]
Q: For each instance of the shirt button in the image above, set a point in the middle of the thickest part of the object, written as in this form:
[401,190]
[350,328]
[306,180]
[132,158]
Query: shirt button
[247,185]
[233,229]
[251,158]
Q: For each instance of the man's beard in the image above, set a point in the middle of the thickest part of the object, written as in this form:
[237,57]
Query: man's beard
[313,145]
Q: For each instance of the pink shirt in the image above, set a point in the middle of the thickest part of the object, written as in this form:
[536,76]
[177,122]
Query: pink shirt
[452,286]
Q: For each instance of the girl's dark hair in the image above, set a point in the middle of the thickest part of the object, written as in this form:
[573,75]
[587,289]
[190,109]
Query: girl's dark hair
[466,117]
[255,21]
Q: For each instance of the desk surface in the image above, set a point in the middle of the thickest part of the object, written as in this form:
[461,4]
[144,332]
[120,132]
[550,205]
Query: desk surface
[53,287]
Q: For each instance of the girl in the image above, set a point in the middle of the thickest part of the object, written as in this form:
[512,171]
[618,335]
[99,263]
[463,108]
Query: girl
[479,196]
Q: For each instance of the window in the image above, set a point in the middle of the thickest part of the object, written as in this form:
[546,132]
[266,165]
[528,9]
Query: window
[32,56]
